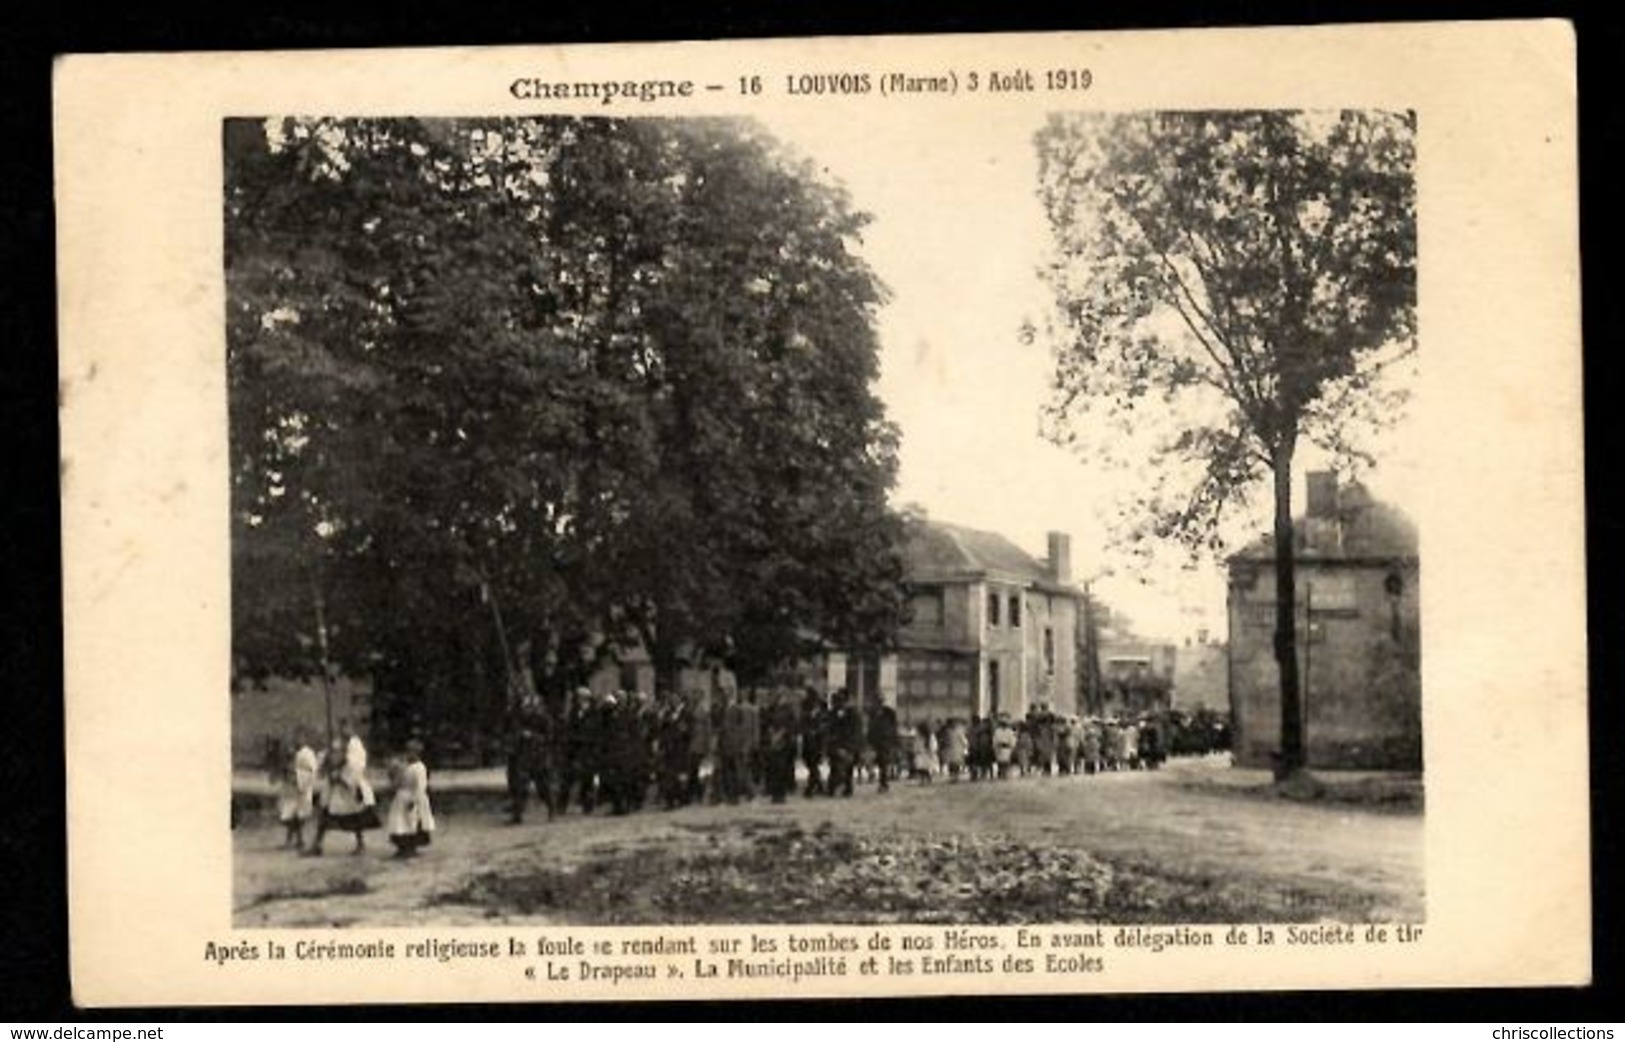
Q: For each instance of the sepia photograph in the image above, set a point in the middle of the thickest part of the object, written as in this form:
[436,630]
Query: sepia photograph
[643,520]
[872,516]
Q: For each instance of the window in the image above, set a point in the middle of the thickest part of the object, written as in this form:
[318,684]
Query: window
[1049,650]
[1015,611]
[926,605]
[993,686]
[993,610]
[1330,594]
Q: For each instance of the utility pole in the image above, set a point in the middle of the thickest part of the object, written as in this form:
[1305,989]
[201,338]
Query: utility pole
[1091,687]
[1093,699]
[1308,646]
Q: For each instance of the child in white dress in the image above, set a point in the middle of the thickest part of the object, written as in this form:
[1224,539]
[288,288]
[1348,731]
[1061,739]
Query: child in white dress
[296,798]
[411,818]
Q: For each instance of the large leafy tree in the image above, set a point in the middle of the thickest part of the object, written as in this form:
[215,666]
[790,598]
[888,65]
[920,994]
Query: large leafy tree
[738,324]
[1250,274]
[506,394]
[402,424]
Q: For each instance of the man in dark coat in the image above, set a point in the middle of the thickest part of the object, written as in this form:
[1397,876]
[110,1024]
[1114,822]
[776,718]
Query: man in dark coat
[628,760]
[845,742]
[530,760]
[672,749]
[883,740]
[1153,744]
[814,738]
[1041,724]
[701,747]
[981,747]
[612,753]
[588,732]
[732,764]
[751,731]
[779,746]
[643,763]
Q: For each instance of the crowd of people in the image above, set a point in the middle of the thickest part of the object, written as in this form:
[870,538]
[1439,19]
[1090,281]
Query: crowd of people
[623,749]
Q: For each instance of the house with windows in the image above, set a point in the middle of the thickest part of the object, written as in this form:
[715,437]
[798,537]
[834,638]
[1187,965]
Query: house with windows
[1136,675]
[990,629]
[1359,635]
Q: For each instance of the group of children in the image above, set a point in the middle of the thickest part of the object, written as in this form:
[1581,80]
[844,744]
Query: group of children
[334,791]
[1043,742]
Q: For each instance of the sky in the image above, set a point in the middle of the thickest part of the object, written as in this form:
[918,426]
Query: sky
[958,236]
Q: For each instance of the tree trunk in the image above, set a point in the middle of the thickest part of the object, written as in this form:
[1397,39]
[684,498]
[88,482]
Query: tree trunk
[668,668]
[1291,759]
[322,651]
[662,651]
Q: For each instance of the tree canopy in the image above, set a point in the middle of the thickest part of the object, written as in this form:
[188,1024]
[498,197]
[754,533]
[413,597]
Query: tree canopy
[1246,275]
[507,395]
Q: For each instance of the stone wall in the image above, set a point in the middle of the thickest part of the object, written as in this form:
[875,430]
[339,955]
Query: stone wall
[1057,687]
[1360,664]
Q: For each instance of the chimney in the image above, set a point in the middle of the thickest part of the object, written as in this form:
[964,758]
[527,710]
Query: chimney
[1060,557]
[1322,494]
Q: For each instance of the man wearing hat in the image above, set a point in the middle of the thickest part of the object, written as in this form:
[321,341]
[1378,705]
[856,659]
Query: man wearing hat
[884,740]
[845,742]
[701,742]
[530,759]
[733,749]
[814,737]
[583,744]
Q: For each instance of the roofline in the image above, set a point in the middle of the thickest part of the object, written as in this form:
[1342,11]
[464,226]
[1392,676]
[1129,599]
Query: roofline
[952,532]
[928,576]
[1326,559]
[1026,582]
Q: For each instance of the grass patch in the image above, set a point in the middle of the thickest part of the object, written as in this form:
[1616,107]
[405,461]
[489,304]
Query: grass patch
[783,874]
[1383,793]
[337,886]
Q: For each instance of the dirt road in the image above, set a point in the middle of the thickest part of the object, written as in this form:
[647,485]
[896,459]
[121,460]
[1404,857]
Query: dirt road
[1193,842]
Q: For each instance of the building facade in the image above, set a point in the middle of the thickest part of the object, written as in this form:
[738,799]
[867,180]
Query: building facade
[1202,675]
[1136,676]
[1359,636]
[991,629]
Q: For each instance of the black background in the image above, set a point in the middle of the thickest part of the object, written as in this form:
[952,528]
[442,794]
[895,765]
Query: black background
[33,902]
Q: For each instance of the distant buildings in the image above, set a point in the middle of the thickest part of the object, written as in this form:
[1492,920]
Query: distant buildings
[1137,676]
[1126,660]
[1359,635]
[1202,675]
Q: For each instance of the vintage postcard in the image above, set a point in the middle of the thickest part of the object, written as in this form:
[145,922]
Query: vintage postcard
[1092,512]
